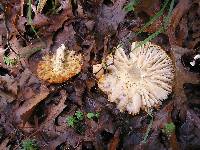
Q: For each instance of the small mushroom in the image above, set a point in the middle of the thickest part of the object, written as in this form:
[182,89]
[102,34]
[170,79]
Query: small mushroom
[60,66]
[141,80]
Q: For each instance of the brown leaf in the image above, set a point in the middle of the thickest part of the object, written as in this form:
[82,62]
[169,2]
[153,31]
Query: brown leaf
[65,136]
[24,112]
[182,75]
[22,6]
[8,87]
[87,53]
[4,144]
[114,141]
[150,7]
[110,17]
[162,117]
[194,118]
[56,22]
[40,20]
[24,78]
[181,8]
[90,83]
[67,36]
[194,43]
[7,96]
[155,25]
[54,111]
[183,32]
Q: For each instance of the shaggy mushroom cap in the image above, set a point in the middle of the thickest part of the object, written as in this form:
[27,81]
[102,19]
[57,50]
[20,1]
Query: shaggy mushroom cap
[59,67]
[138,81]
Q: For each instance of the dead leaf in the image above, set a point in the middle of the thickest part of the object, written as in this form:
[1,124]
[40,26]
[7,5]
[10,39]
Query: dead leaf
[114,141]
[182,75]
[66,36]
[8,88]
[66,136]
[162,117]
[7,96]
[24,112]
[155,25]
[181,8]
[87,52]
[54,111]
[40,20]
[56,22]
[150,7]
[183,32]
[26,74]
[110,17]
[4,144]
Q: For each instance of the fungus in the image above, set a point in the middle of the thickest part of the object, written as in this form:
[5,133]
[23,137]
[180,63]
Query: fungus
[141,80]
[60,66]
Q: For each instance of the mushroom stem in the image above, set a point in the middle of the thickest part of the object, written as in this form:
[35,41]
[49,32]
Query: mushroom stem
[58,59]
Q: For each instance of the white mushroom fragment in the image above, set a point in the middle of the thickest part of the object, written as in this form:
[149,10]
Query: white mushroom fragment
[60,66]
[194,60]
[138,81]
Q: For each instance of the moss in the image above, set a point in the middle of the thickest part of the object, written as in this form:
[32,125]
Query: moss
[169,128]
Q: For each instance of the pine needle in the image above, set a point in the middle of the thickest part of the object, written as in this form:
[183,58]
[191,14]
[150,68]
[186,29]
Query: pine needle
[130,6]
[149,38]
[154,18]
[161,29]
[30,21]
[166,20]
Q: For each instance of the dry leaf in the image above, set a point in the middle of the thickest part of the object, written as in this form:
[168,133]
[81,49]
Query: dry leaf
[24,112]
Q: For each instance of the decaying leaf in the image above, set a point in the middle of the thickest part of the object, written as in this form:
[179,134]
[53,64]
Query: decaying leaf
[150,6]
[24,112]
[110,17]
[115,141]
[181,8]
[182,75]
[54,111]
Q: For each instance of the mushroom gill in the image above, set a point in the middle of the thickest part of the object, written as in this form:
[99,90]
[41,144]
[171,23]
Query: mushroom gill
[59,67]
[141,80]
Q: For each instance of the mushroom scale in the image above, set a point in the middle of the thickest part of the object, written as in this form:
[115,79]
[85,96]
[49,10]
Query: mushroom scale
[141,80]
[60,66]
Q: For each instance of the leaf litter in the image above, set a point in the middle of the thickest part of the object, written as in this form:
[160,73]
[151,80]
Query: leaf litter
[33,109]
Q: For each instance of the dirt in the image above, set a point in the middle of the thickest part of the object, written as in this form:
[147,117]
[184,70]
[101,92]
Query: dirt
[34,109]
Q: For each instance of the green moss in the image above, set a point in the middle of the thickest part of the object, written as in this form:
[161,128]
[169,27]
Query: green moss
[9,62]
[79,115]
[29,145]
[131,6]
[169,128]
[92,115]
[71,121]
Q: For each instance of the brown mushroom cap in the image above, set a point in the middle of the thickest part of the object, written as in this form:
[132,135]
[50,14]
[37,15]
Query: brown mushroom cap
[141,80]
[59,67]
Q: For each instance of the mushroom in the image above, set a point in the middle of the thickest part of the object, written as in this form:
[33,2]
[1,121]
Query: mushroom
[141,80]
[60,66]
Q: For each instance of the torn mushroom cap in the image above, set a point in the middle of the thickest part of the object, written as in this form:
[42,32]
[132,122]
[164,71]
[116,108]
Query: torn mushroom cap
[59,67]
[138,81]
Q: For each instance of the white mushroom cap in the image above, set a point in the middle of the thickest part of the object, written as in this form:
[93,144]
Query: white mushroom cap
[138,81]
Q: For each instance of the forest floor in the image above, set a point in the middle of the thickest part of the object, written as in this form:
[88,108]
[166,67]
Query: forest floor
[33,113]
